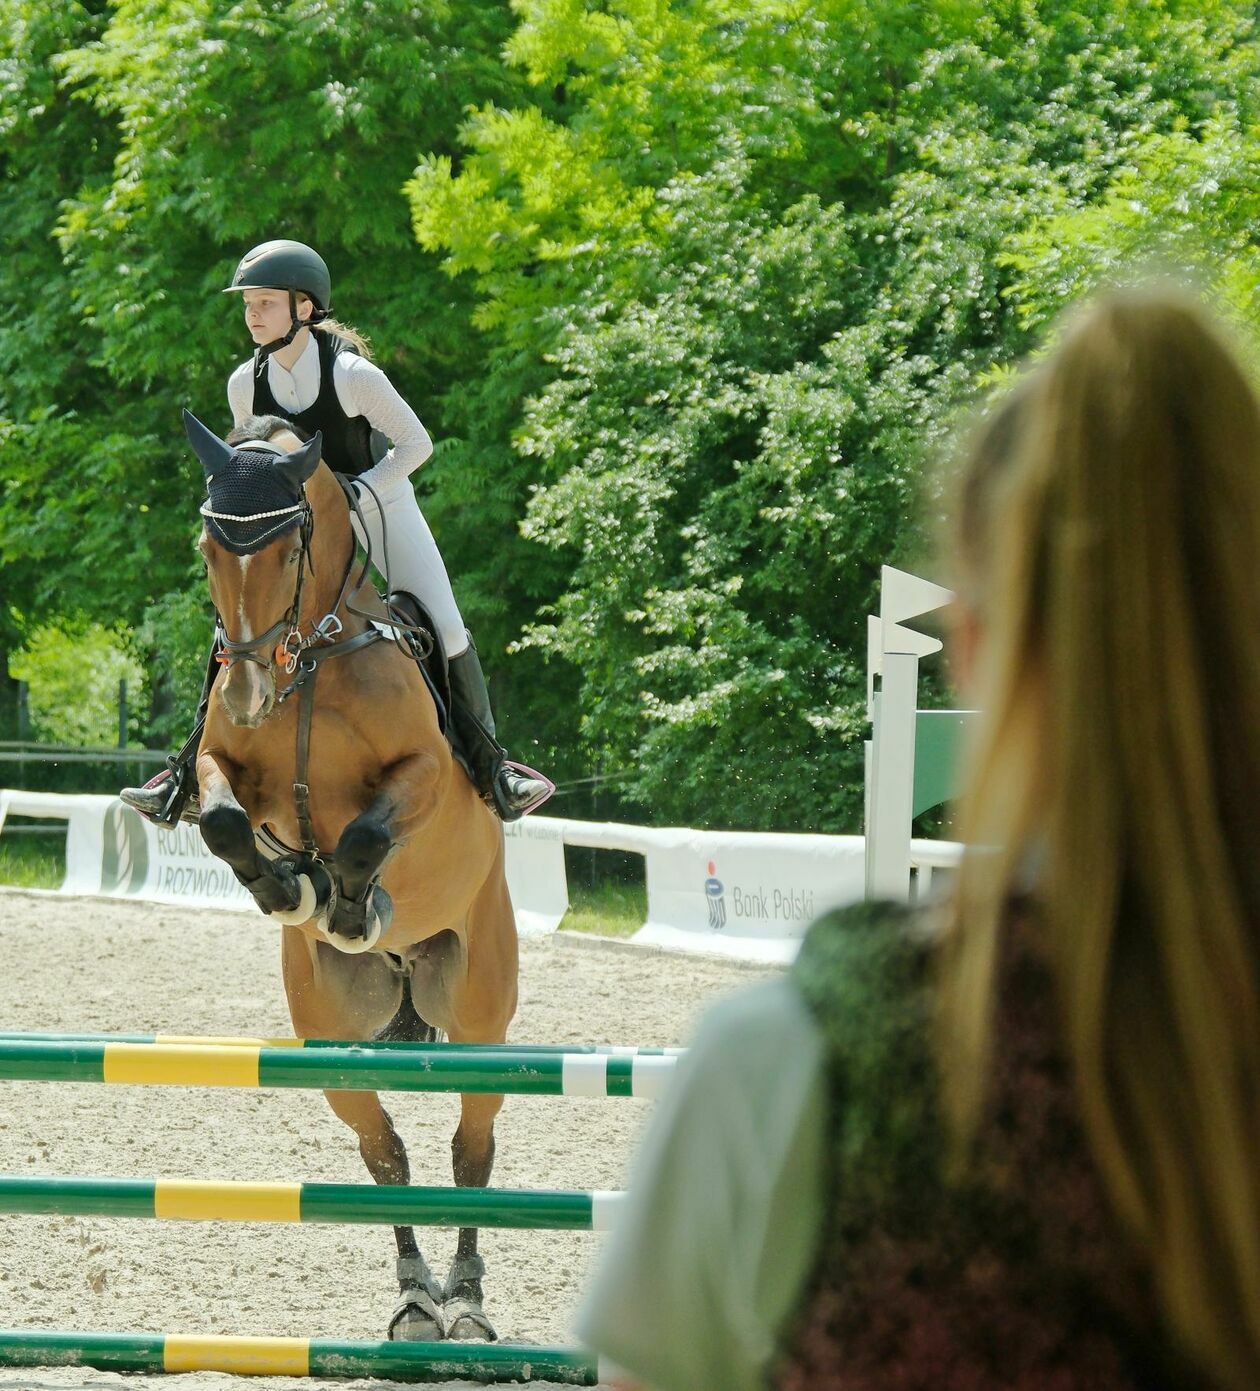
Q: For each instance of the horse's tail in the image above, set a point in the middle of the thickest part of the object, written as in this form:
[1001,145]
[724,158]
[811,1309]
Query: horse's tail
[406,1026]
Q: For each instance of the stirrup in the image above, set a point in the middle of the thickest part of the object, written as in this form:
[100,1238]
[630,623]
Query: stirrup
[162,799]
[518,790]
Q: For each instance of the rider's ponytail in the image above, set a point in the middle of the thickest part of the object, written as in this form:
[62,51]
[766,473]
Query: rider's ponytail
[352,335]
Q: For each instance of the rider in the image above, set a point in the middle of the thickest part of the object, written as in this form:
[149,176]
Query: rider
[315,372]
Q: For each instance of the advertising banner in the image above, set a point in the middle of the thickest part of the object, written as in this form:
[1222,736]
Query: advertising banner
[730,893]
[534,850]
[114,852]
[733,893]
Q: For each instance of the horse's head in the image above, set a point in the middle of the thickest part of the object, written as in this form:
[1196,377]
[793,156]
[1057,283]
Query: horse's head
[255,543]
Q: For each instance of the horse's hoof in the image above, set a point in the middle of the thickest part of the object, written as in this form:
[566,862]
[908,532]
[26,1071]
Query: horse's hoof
[417,1318]
[466,1322]
[305,909]
[462,1314]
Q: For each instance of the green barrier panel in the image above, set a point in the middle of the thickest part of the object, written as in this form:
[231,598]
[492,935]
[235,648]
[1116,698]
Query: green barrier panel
[938,744]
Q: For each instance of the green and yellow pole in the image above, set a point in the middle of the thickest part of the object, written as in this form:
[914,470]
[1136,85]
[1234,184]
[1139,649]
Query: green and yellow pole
[397,1205]
[415,1068]
[308,1357]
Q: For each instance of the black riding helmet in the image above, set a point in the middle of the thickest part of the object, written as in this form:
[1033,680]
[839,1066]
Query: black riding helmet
[285,265]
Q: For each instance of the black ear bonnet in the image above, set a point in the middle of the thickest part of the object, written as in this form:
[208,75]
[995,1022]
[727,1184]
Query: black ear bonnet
[250,502]
[254,493]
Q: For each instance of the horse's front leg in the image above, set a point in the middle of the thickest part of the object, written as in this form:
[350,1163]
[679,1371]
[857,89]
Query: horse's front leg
[406,797]
[226,830]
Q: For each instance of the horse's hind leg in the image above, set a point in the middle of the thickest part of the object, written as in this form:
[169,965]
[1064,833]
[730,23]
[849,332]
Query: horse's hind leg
[418,1314]
[472,1159]
[468,987]
[332,995]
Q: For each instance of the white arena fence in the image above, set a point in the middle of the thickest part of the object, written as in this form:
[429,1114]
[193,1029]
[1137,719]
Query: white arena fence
[731,893]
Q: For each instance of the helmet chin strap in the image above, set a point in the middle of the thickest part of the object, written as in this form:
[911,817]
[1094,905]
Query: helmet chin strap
[296,326]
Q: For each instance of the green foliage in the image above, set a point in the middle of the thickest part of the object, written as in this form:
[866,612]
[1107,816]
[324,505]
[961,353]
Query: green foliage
[766,257]
[607,910]
[32,862]
[73,679]
[1189,203]
[143,148]
[178,629]
[689,294]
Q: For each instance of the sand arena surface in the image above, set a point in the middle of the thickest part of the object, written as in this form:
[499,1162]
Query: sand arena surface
[98,965]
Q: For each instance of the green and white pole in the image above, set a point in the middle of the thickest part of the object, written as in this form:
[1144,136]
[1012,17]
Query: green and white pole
[436,1068]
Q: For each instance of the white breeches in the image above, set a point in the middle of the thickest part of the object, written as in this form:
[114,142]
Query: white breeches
[404,551]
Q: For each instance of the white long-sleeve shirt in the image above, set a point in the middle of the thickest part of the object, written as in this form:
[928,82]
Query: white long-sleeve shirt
[362,389]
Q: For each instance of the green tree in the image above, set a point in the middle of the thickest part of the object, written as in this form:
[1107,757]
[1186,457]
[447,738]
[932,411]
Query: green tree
[185,131]
[766,259]
[688,294]
[1188,205]
[73,679]
[49,141]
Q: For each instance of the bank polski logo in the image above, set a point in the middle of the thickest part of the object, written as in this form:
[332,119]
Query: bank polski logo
[715,892]
[125,853]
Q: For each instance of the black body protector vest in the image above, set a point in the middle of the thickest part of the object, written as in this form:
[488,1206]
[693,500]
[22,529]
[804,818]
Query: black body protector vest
[351,446]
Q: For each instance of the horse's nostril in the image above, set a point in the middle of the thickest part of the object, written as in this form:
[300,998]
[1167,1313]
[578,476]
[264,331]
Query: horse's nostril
[249,695]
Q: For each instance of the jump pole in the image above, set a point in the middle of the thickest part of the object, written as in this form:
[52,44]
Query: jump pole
[313,1357]
[582,1070]
[439,1068]
[396,1205]
[374,1045]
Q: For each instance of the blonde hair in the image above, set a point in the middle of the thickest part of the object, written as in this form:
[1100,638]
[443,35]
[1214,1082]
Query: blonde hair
[352,335]
[1119,752]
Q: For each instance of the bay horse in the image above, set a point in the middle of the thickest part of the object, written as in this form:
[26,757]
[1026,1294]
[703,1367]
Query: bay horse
[322,734]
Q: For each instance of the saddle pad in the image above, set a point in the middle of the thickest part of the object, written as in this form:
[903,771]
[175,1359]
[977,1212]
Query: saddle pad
[426,647]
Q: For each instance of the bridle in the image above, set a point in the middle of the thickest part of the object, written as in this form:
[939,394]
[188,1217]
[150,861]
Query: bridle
[264,649]
[302,655]
[295,650]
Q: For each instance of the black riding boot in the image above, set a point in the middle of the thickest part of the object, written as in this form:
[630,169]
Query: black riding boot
[172,795]
[508,790]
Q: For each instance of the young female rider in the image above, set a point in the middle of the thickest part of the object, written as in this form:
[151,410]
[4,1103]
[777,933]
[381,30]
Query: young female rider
[313,371]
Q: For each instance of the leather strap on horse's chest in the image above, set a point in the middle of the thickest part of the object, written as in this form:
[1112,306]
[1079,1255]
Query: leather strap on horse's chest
[305,687]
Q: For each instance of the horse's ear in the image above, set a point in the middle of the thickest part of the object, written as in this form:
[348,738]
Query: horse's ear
[209,448]
[298,466]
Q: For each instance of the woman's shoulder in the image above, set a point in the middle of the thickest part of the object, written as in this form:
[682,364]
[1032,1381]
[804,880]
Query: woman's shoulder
[352,365]
[857,963]
[240,390]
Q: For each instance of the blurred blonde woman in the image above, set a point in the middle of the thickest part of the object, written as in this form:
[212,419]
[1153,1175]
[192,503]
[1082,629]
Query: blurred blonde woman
[1015,1142]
